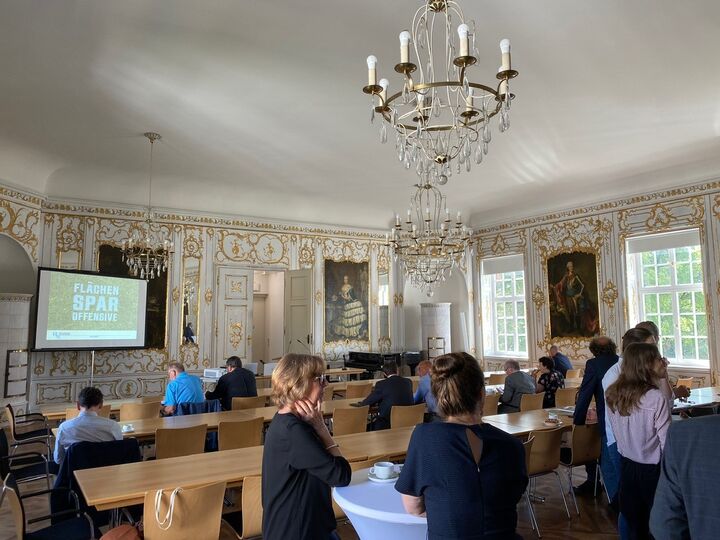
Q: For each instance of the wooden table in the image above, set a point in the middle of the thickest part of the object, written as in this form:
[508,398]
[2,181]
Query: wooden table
[708,395]
[125,485]
[56,411]
[521,423]
[332,372]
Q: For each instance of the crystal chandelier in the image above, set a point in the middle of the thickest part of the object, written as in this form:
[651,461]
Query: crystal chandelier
[144,253]
[439,116]
[429,244]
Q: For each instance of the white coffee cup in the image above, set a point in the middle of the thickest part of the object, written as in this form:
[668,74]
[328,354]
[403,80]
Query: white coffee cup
[127,427]
[383,469]
[552,416]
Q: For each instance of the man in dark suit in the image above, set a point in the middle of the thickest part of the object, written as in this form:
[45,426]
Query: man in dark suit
[237,382]
[605,356]
[686,503]
[394,390]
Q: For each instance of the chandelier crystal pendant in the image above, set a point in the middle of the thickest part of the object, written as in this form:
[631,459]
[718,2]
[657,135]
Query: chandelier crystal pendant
[428,244]
[147,252]
[439,117]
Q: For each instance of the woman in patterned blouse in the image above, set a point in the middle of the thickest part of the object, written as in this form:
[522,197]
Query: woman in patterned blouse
[549,381]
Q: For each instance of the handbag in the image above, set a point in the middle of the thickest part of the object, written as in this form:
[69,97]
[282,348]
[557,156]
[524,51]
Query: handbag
[123,532]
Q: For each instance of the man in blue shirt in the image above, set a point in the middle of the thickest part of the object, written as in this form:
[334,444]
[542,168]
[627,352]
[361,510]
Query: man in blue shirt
[423,394]
[562,362]
[86,426]
[182,388]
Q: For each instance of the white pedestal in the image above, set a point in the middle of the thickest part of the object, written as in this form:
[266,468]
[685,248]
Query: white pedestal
[435,323]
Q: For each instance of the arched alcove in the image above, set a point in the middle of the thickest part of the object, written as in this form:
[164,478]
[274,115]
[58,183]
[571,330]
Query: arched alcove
[17,274]
[453,290]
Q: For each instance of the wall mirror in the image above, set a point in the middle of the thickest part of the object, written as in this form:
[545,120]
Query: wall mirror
[384,309]
[190,301]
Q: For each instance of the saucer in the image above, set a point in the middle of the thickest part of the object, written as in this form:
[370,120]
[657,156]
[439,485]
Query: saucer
[373,478]
[552,424]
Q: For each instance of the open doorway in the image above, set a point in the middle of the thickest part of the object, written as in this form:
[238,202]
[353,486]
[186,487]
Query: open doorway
[268,315]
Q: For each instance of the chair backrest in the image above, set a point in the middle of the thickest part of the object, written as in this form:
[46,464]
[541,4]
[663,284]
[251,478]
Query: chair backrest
[139,411]
[685,381]
[151,399]
[241,403]
[358,390]
[490,405]
[269,368]
[497,378]
[545,454]
[585,444]
[198,407]
[406,415]
[347,420]
[328,392]
[196,513]
[10,492]
[251,367]
[10,413]
[565,397]
[177,442]
[573,373]
[531,402]
[527,445]
[240,434]
[252,510]
[72,412]
[416,384]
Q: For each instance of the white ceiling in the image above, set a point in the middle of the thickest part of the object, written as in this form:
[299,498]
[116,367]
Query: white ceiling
[261,111]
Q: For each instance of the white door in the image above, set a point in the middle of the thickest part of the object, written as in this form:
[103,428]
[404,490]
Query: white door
[298,311]
[234,313]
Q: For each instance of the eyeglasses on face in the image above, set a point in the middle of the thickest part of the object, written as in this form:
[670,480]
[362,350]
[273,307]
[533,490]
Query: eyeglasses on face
[322,379]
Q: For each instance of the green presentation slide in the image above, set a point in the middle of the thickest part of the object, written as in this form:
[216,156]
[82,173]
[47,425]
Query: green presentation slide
[82,307]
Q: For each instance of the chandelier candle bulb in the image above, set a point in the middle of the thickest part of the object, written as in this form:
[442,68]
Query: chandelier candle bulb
[469,100]
[463,31]
[372,73]
[404,47]
[503,88]
[397,220]
[505,50]
[384,83]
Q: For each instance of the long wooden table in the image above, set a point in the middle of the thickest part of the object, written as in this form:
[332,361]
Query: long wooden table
[332,372]
[124,485]
[522,423]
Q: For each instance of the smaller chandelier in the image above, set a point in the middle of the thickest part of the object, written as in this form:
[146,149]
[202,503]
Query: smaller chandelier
[147,252]
[440,117]
[429,244]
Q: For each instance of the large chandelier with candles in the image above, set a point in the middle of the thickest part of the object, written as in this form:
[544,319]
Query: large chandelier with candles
[439,117]
[147,252]
[430,242]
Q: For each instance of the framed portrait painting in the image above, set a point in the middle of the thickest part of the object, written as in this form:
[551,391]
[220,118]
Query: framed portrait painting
[347,287]
[573,286]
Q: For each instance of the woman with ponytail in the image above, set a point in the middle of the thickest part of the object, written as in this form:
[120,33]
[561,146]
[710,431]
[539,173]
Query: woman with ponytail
[466,476]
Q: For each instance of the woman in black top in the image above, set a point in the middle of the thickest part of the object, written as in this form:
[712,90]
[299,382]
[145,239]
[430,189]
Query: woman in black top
[549,381]
[466,476]
[301,462]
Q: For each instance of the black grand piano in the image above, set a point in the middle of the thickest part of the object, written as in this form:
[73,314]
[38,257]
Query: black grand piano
[373,361]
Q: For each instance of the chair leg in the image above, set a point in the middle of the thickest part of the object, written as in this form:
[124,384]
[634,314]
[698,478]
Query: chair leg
[599,471]
[531,510]
[562,493]
[572,491]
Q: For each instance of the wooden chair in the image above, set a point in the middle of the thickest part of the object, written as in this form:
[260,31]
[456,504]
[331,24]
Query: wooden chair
[252,511]
[490,406]
[39,432]
[584,448]
[243,403]
[240,434]
[531,402]
[176,442]
[545,459]
[139,411]
[565,397]
[685,381]
[328,393]
[358,390]
[196,513]
[78,526]
[497,378]
[573,374]
[347,420]
[151,399]
[72,412]
[406,416]
[415,384]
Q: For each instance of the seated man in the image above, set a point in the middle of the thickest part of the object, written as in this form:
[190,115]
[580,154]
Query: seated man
[517,383]
[182,388]
[237,382]
[562,362]
[86,426]
[394,390]
[424,393]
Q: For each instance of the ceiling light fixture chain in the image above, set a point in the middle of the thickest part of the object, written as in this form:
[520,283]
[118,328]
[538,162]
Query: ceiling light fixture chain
[439,115]
[147,252]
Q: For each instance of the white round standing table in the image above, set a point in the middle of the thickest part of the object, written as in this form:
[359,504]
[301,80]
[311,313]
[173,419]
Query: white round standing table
[376,510]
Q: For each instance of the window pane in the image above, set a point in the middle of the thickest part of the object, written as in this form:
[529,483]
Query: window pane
[664,274]
[521,309]
[520,286]
[521,326]
[701,325]
[695,253]
[511,326]
[649,277]
[509,309]
[703,349]
[697,274]
[651,303]
[700,302]
[662,256]
[685,302]
[687,325]
[683,274]
[522,344]
[667,325]
[498,285]
[648,258]
[682,254]
[665,303]
[688,348]
[668,347]
[508,288]
[500,309]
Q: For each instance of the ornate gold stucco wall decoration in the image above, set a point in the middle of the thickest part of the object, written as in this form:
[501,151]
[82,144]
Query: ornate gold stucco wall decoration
[208,296]
[176,295]
[255,248]
[538,297]
[318,297]
[609,294]
[235,334]
[20,223]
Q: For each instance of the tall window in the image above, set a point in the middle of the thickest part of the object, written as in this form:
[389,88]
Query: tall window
[666,284]
[503,299]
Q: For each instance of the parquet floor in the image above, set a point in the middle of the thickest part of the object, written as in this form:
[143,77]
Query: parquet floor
[595,522]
